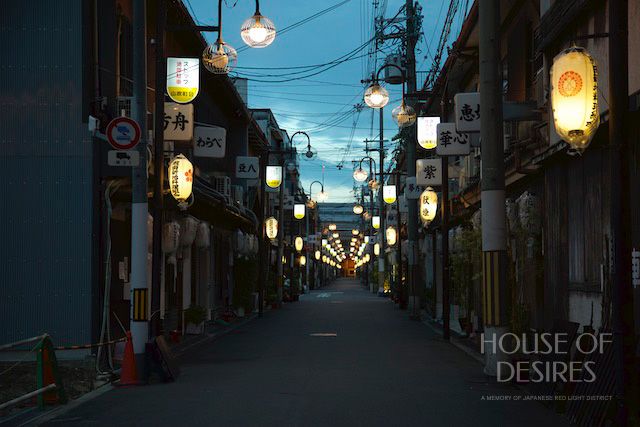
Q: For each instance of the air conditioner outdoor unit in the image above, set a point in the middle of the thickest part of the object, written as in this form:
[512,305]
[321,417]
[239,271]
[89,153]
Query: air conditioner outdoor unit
[223,185]
[123,104]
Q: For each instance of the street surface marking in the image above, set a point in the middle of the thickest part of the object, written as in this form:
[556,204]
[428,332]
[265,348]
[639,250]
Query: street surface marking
[324,334]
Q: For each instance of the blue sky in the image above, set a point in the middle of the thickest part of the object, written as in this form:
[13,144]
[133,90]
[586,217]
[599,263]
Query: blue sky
[322,105]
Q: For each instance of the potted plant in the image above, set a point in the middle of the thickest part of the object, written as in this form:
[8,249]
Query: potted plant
[194,318]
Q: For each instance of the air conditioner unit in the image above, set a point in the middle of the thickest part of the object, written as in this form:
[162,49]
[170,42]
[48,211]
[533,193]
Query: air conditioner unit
[223,185]
[123,105]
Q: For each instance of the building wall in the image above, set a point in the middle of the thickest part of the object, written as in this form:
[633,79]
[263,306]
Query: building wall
[46,153]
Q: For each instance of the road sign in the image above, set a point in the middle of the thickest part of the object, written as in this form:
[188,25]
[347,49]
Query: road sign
[183,79]
[209,141]
[123,133]
[429,172]
[452,142]
[467,110]
[178,122]
[247,167]
[411,189]
[123,158]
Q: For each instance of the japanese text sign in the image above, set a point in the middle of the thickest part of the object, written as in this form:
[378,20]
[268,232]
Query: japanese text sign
[247,167]
[178,122]
[183,79]
[429,172]
[411,189]
[209,141]
[452,142]
[467,111]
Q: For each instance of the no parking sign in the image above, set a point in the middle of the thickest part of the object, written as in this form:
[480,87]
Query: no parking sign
[123,133]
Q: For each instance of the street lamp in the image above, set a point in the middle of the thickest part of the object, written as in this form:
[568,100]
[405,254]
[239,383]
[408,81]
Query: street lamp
[404,115]
[360,174]
[258,31]
[358,209]
[376,96]
[299,211]
[299,243]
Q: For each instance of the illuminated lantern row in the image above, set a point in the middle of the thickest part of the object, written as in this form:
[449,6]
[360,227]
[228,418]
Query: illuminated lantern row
[180,178]
[298,211]
[271,226]
[574,97]
[274,176]
[427,135]
[428,205]
[389,194]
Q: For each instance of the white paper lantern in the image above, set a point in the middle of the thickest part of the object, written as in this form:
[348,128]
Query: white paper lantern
[188,228]
[427,135]
[203,235]
[389,194]
[271,227]
[298,210]
[170,237]
[376,249]
[375,222]
[428,205]
[299,243]
[180,178]
[303,260]
[274,176]
[392,236]
[574,97]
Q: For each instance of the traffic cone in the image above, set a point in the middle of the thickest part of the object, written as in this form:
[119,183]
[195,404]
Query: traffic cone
[128,373]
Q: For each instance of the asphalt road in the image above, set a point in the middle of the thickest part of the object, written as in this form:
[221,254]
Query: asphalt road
[379,369]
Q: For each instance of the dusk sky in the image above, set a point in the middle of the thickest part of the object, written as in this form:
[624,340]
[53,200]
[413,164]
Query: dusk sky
[322,105]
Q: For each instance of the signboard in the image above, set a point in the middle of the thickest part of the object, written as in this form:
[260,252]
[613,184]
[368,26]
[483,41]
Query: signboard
[209,141]
[411,189]
[467,110]
[427,137]
[123,158]
[429,172]
[247,167]
[452,142]
[178,122]
[183,79]
[123,133]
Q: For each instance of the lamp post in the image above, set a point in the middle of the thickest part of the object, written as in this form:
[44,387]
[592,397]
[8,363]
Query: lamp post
[315,264]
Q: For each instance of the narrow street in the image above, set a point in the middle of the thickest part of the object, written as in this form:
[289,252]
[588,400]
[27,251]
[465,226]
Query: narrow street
[379,369]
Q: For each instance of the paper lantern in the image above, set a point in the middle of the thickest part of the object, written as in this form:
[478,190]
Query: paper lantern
[303,260]
[358,209]
[299,243]
[274,176]
[574,97]
[389,194]
[428,205]
[324,242]
[376,249]
[180,178]
[324,258]
[427,135]
[392,236]
[332,227]
[298,210]
[375,222]
[271,226]
[317,255]
[355,232]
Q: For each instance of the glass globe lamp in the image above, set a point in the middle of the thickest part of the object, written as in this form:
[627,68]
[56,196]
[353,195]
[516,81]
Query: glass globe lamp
[376,96]
[219,58]
[404,115]
[360,175]
[258,31]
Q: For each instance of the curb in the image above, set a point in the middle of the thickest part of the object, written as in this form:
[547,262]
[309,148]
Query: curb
[454,341]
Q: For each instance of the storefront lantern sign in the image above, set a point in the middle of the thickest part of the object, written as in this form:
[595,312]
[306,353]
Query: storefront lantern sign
[183,79]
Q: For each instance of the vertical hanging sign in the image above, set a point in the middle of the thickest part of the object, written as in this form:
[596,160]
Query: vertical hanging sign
[183,79]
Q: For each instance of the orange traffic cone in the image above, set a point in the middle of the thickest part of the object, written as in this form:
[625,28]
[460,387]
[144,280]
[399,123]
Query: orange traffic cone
[128,374]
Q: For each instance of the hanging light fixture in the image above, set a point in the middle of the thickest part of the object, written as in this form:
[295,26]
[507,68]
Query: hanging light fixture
[258,31]
[404,115]
[271,226]
[322,196]
[299,243]
[373,184]
[357,209]
[376,96]
[427,135]
[574,97]
[360,175]
[375,222]
[355,232]
[298,210]
[324,258]
[274,176]
[180,178]
[428,205]
[303,260]
[366,216]
[392,236]
[317,254]
[389,194]
[332,227]
[376,249]
[219,57]
[336,235]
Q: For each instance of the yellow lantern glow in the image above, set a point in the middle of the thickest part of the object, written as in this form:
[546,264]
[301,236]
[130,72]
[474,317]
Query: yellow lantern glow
[180,178]
[324,258]
[367,257]
[271,226]
[392,236]
[358,209]
[274,176]
[317,255]
[332,227]
[336,235]
[298,211]
[355,232]
[427,135]
[574,97]
[389,194]
[375,222]
[303,260]
[428,205]
[376,249]
[284,259]
[299,243]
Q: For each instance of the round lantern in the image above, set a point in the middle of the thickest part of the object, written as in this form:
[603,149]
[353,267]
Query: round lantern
[375,222]
[376,96]
[428,205]
[389,194]
[317,254]
[574,97]
[376,249]
[299,243]
[180,178]
[332,227]
[324,258]
[360,175]
[427,135]
[358,209]
[322,196]
[404,115]
[219,58]
[274,176]
[303,260]
[392,236]
[298,211]
[271,226]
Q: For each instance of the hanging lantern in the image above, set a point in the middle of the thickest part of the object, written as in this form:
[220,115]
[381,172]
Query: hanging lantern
[324,242]
[366,239]
[219,58]
[367,257]
[427,135]
[271,226]
[360,175]
[357,209]
[274,176]
[299,243]
[389,194]
[322,196]
[317,254]
[303,260]
[392,236]
[373,184]
[376,249]
[375,222]
[332,227]
[428,205]
[366,216]
[324,258]
[180,178]
[574,97]
[258,31]
[284,259]
[298,210]
[355,232]
[404,115]
[376,96]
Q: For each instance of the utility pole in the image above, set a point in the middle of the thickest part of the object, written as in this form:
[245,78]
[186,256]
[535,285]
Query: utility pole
[412,205]
[264,242]
[622,294]
[139,209]
[280,264]
[381,231]
[494,236]
[446,292]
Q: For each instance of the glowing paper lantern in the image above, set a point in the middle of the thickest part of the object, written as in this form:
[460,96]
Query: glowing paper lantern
[392,236]
[180,178]
[427,135]
[389,194]
[317,255]
[303,260]
[271,226]
[376,249]
[298,211]
[299,243]
[375,222]
[428,205]
[574,97]
[358,209]
[274,176]
[332,227]
[324,258]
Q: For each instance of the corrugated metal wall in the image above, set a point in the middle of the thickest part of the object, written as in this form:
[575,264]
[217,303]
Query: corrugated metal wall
[46,170]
